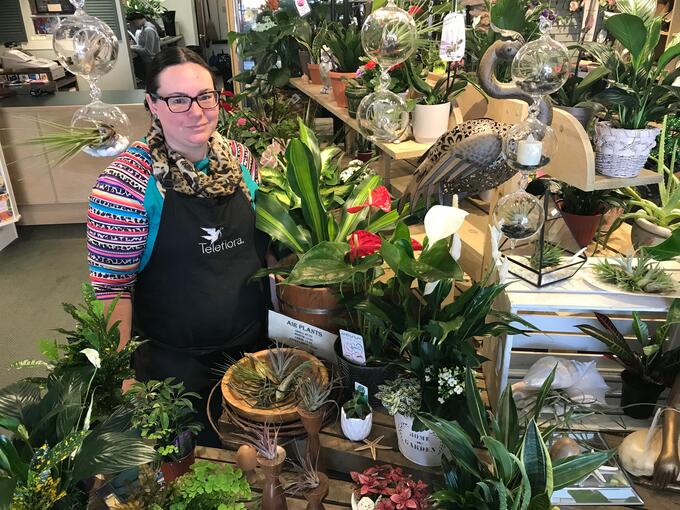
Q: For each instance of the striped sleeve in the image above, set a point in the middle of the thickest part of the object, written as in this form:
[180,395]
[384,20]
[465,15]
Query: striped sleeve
[245,158]
[117,224]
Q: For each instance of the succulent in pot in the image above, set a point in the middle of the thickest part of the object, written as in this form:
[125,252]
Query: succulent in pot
[640,92]
[164,413]
[650,369]
[356,418]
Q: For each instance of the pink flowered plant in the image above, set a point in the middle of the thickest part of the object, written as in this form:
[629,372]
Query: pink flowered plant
[390,488]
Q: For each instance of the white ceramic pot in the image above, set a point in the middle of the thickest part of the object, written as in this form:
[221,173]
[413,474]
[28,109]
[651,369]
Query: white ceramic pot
[645,233]
[354,428]
[430,121]
[424,448]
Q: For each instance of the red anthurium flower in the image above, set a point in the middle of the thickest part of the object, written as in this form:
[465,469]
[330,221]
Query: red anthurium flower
[369,65]
[379,198]
[416,245]
[362,243]
[415,9]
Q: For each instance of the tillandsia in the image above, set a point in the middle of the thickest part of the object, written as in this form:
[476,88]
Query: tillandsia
[269,382]
[315,394]
[645,275]
[552,255]
[264,438]
[306,474]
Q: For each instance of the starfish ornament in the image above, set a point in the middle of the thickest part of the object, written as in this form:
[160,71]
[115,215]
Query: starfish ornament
[373,445]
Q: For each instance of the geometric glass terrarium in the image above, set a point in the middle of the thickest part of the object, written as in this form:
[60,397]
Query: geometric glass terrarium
[551,256]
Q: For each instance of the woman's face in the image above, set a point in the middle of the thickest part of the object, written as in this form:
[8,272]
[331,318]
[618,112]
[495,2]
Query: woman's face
[190,130]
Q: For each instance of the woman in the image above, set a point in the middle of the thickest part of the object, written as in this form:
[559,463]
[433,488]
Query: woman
[171,229]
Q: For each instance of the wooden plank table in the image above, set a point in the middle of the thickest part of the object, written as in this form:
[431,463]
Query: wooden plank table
[407,149]
[340,458]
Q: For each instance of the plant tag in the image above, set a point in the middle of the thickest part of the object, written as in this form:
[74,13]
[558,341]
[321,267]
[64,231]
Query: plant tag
[353,347]
[360,387]
[302,7]
[295,98]
[452,45]
[301,335]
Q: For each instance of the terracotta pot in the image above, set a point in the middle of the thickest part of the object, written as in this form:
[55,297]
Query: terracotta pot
[273,497]
[312,422]
[305,59]
[646,233]
[582,115]
[173,470]
[582,227]
[316,496]
[339,85]
[314,74]
[639,397]
[317,306]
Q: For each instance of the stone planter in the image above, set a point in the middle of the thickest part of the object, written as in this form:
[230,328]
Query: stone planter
[622,152]
[430,121]
[339,85]
[355,429]
[354,97]
[423,448]
[646,233]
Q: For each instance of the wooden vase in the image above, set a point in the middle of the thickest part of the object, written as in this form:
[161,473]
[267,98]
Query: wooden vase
[316,496]
[273,497]
[312,422]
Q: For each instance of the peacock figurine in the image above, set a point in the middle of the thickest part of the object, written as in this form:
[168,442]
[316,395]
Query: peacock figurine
[469,158]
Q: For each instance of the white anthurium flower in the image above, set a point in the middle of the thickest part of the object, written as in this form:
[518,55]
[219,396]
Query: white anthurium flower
[495,238]
[429,287]
[503,270]
[441,221]
[456,247]
[93,356]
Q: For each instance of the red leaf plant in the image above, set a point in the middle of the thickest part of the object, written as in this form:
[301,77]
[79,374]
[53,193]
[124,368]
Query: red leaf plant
[390,489]
[379,198]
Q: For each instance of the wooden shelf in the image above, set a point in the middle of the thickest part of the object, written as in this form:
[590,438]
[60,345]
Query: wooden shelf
[403,150]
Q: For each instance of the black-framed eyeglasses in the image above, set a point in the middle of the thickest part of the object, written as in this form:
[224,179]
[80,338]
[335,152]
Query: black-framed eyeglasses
[180,104]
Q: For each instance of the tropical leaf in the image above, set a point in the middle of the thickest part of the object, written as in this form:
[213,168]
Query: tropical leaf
[617,345]
[507,420]
[630,31]
[349,222]
[272,218]
[109,453]
[536,461]
[476,409]
[308,137]
[570,470]
[502,459]
[543,393]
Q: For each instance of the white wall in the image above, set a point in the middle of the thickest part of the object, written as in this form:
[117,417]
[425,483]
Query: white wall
[119,78]
[185,19]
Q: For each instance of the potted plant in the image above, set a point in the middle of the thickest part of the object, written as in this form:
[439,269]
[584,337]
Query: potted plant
[312,40]
[652,222]
[345,45]
[432,110]
[314,397]
[388,487]
[356,417]
[365,150]
[647,371]
[359,86]
[164,413]
[583,211]
[504,450]
[209,486]
[575,96]
[640,93]
[309,482]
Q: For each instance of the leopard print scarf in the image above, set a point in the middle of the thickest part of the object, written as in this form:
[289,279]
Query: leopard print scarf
[170,168]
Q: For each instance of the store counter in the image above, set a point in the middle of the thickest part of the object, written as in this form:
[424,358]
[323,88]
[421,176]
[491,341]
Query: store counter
[47,193]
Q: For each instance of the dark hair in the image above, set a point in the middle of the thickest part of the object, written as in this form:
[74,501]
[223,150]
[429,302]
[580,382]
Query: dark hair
[170,56]
[135,15]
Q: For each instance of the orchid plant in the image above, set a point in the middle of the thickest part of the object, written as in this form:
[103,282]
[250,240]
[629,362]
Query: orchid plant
[387,487]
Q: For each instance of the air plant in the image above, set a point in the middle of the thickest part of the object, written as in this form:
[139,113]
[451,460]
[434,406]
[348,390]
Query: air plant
[264,438]
[644,276]
[307,475]
[271,383]
[314,394]
[552,255]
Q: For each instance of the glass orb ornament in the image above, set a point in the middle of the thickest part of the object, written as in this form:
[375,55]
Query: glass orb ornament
[518,216]
[85,45]
[530,144]
[383,115]
[542,66]
[388,35]
[111,123]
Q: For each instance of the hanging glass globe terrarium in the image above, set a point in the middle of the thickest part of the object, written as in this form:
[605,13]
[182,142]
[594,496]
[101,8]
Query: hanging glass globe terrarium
[87,47]
[388,37]
[540,67]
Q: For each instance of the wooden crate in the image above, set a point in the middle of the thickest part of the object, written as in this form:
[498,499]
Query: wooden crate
[556,310]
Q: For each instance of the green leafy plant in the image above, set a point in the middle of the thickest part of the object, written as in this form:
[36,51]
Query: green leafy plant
[514,469]
[311,36]
[164,413]
[640,88]
[345,45]
[587,203]
[643,275]
[551,256]
[656,361]
[52,445]
[150,8]
[578,92]
[358,406]
[444,90]
[400,396]
[210,486]
[94,335]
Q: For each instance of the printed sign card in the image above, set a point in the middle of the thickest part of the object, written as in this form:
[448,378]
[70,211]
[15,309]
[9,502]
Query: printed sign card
[302,7]
[301,335]
[353,347]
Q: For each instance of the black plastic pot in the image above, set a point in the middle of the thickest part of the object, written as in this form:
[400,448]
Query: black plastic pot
[369,376]
[638,397]
[168,18]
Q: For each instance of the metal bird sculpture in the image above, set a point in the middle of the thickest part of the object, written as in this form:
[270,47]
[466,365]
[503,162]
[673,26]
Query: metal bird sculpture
[469,158]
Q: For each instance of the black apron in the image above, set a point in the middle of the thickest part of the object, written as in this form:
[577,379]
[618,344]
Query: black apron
[193,302]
